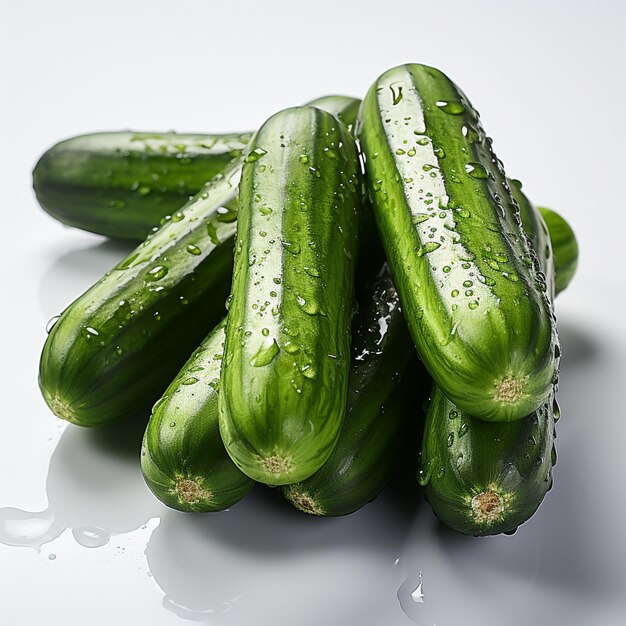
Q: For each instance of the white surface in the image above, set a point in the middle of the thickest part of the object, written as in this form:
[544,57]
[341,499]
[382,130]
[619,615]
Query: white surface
[548,80]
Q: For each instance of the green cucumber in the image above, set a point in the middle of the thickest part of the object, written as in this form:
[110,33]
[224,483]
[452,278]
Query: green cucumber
[382,396]
[485,478]
[564,246]
[115,349]
[470,285]
[287,354]
[183,459]
[121,184]
[90,378]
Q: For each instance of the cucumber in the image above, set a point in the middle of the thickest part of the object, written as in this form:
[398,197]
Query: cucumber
[565,248]
[537,232]
[121,184]
[115,349]
[90,378]
[485,478]
[470,285]
[183,460]
[287,353]
[381,408]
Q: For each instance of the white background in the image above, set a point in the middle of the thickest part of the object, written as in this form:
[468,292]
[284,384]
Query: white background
[548,79]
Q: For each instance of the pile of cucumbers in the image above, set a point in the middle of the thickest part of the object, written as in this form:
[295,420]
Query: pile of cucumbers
[303,295]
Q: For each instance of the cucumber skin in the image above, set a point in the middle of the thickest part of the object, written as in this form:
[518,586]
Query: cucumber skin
[538,235]
[565,248]
[382,398]
[509,339]
[464,457]
[121,184]
[291,297]
[147,322]
[183,459]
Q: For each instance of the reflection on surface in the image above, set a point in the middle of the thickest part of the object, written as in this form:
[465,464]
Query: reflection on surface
[94,487]
[540,571]
[262,549]
[221,566]
[264,559]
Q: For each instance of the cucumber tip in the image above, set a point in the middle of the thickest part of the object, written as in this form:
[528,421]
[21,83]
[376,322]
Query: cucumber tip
[303,501]
[191,491]
[277,465]
[488,507]
[62,409]
[510,390]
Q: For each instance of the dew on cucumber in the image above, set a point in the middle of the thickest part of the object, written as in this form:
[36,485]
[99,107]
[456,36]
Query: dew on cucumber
[157,273]
[265,354]
[291,247]
[424,473]
[451,107]
[476,170]
[51,322]
[255,155]
[310,307]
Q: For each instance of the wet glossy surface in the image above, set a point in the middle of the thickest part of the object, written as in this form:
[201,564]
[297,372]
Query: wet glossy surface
[553,116]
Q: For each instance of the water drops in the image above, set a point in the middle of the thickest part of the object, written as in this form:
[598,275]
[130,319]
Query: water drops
[291,347]
[265,354]
[91,536]
[476,170]
[157,273]
[418,218]
[309,371]
[192,380]
[265,210]
[424,473]
[255,155]
[51,322]
[292,247]
[310,307]
[193,249]
[396,95]
[451,107]
[463,429]
[427,248]
[450,440]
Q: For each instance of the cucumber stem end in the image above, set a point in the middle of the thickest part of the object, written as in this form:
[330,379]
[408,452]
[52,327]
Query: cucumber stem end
[62,409]
[488,507]
[510,390]
[277,465]
[191,491]
[303,501]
